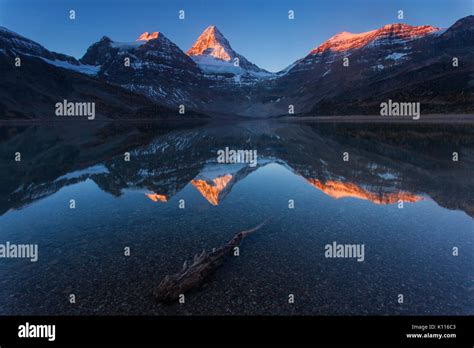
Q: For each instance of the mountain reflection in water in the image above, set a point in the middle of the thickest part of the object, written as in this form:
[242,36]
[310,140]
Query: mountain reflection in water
[339,189]
[137,202]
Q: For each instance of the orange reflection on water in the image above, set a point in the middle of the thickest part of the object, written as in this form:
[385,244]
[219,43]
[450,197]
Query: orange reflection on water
[156,197]
[339,189]
[211,190]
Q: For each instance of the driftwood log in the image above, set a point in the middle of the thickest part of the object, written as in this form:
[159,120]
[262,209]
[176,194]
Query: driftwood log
[194,275]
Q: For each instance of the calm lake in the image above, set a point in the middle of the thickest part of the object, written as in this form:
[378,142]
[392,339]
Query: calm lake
[395,189]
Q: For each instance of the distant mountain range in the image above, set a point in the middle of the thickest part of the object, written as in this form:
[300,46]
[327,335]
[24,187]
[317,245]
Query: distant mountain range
[349,74]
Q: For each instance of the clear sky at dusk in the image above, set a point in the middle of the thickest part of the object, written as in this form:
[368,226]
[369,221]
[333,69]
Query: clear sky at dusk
[258,29]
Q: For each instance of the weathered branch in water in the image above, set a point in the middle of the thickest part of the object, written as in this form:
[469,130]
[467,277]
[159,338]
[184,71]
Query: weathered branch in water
[193,276]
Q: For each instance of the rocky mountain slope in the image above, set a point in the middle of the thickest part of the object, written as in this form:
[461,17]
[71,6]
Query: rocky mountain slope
[398,62]
[349,74]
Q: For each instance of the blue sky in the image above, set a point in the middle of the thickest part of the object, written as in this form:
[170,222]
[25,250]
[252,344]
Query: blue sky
[258,29]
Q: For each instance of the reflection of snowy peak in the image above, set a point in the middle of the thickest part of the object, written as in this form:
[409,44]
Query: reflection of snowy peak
[343,189]
[383,172]
[213,53]
[215,181]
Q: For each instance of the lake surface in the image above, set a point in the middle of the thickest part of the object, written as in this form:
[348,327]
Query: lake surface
[400,195]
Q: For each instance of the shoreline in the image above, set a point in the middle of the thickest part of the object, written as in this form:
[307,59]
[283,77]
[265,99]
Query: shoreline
[433,118]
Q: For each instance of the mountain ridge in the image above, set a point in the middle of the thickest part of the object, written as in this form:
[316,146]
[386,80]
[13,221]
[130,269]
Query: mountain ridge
[205,79]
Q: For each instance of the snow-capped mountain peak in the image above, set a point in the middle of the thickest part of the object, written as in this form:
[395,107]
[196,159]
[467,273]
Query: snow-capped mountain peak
[146,36]
[213,44]
[214,55]
[346,41]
